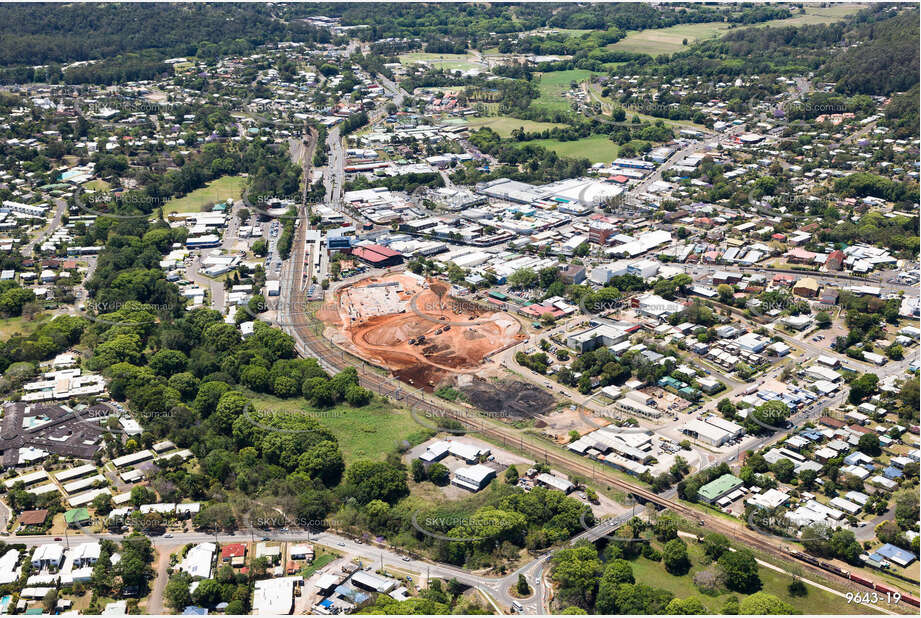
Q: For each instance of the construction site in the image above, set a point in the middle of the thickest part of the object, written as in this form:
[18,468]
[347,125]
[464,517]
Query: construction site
[413,328]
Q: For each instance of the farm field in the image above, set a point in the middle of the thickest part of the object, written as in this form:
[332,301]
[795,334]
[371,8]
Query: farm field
[215,191]
[504,125]
[595,148]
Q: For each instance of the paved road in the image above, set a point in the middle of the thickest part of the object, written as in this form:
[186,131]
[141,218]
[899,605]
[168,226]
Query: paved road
[215,288]
[369,555]
[60,208]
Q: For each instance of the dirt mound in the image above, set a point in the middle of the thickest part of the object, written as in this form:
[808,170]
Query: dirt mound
[384,319]
[426,377]
[508,397]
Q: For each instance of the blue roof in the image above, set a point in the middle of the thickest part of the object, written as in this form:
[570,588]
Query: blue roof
[898,554]
[892,473]
[326,603]
[194,610]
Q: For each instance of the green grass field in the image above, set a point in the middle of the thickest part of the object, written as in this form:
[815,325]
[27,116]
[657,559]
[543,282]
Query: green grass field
[682,586]
[319,562]
[215,191]
[817,15]
[553,85]
[363,433]
[595,148]
[504,125]
[668,40]
[21,326]
[97,185]
[451,62]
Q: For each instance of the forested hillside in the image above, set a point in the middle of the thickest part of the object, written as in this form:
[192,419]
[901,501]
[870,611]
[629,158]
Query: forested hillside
[884,58]
[34,34]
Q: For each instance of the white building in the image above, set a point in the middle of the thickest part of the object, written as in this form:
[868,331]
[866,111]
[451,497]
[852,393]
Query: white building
[275,596]
[473,478]
[199,560]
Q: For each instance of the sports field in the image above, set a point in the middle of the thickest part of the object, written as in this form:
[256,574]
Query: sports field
[451,62]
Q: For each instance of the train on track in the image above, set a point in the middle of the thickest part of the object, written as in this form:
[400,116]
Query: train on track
[854,577]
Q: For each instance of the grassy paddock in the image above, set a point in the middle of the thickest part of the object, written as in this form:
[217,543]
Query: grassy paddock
[504,125]
[553,85]
[222,189]
[369,432]
[682,586]
[451,62]
[668,40]
[595,148]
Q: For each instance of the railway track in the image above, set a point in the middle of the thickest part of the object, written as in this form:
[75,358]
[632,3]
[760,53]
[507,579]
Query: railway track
[335,359]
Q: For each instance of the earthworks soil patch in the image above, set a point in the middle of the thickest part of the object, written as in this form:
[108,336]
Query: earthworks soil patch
[510,398]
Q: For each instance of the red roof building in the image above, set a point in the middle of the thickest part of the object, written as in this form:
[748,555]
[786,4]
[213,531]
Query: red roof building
[783,279]
[233,550]
[33,518]
[378,256]
[835,260]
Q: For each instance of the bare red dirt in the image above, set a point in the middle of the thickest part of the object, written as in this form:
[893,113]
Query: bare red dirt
[380,317]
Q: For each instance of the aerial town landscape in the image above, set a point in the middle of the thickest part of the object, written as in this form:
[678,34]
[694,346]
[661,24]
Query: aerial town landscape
[449,308]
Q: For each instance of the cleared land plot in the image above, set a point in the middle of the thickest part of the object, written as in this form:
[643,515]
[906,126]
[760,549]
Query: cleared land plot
[504,125]
[97,185]
[595,148]
[219,190]
[20,325]
[553,86]
[369,432]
